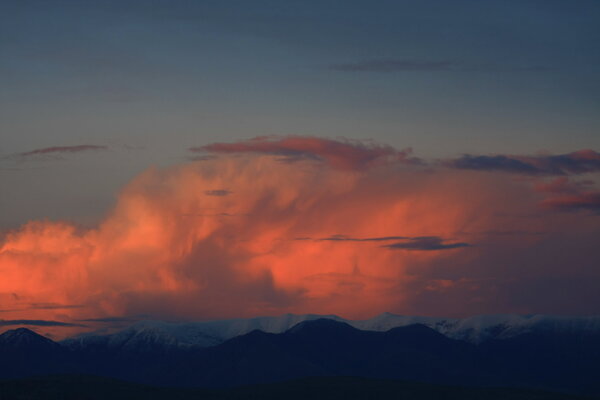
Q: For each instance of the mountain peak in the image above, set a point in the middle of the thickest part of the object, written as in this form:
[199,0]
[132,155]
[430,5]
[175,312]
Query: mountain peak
[24,337]
[19,333]
[321,325]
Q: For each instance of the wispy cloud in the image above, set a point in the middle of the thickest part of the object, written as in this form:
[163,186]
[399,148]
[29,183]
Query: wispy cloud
[393,65]
[389,65]
[112,319]
[563,185]
[63,149]
[344,238]
[426,243]
[577,162]
[403,242]
[589,201]
[341,153]
[38,322]
[43,306]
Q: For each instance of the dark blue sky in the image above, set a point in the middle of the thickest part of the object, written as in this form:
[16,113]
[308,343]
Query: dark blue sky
[148,79]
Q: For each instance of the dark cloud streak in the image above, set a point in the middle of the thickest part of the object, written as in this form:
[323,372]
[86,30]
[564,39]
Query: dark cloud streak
[426,243]
[112,319]
[44,306]
[63,149]
[423,243]
[578,162]
[343,238]
[589,201]
[338,153]
[38,322]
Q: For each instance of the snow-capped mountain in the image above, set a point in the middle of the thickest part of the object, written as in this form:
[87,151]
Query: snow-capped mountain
[192,334]
[210,333]
[535,351]
[23,338]
[483,327]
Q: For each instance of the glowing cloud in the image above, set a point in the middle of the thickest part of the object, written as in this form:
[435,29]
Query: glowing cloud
[393,237]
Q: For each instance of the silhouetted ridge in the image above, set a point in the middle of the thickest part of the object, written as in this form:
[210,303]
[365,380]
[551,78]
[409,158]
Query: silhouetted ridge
[417,333]
[13,334]
[563,359]
[322,327]
[24,353]
[23,338]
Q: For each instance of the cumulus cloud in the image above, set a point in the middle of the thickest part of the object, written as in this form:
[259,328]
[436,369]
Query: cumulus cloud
[578,162]
[166,252]
[341,154]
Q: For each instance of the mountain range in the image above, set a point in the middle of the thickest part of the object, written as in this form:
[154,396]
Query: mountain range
[210,333]
[537,352]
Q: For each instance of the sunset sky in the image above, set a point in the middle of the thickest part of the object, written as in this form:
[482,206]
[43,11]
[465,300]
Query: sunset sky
[193,160]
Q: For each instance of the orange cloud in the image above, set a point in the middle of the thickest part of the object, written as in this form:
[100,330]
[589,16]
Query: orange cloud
[178,245]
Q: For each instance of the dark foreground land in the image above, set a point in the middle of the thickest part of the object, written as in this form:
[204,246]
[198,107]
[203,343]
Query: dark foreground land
[67,387]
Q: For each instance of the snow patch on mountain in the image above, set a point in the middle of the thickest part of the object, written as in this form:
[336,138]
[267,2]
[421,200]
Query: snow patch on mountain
[475,329]
[484,327]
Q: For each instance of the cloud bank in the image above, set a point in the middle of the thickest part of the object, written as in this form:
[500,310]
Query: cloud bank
[347,228]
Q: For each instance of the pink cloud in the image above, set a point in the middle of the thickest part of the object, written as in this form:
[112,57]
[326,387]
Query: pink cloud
[580,201]
[176,246]
[341,154]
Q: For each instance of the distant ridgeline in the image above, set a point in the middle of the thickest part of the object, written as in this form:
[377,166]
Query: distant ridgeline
[554,353]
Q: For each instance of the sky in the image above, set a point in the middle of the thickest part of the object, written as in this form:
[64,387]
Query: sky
[192,160]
